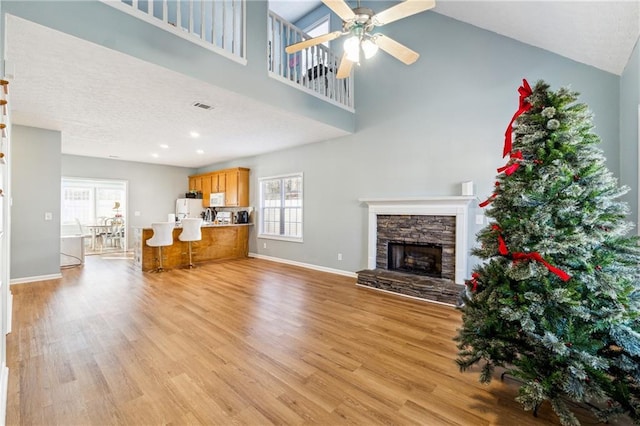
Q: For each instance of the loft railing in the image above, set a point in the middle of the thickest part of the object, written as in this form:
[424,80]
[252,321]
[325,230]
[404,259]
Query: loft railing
[312,69]
[218,25]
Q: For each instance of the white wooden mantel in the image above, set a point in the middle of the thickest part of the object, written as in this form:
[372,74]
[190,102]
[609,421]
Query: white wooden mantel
[457,206]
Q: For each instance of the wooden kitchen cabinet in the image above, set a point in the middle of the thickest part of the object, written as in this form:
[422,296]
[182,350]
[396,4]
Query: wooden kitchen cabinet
[237,187]
[218,182]
[213,182]
[195,183]
[219,242]
[206,190]
[233,182]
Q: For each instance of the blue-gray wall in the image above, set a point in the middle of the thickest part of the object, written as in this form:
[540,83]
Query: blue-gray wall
[421,131]
[629,115]
[35,178]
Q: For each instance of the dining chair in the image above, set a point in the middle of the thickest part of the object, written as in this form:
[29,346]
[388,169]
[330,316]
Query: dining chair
[82,232]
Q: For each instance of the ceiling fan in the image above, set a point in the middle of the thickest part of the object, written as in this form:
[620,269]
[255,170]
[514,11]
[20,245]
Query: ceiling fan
[359,23]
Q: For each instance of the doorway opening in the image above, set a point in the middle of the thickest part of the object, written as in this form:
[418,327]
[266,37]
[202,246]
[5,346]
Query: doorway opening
[96,209]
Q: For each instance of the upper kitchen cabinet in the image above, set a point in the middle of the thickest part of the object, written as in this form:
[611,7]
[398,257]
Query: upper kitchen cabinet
[233,182]
[206,190]
[218,180]
[195,183]
[212,182]
[237,187]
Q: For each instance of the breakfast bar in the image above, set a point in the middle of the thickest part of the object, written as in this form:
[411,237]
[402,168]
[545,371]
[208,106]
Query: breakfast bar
[219,242]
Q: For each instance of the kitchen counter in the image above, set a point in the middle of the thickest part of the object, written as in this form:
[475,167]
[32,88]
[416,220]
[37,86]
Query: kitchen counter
[219,242]
[204,225]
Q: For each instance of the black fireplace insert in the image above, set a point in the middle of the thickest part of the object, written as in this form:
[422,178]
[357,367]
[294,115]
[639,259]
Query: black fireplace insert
[420,259]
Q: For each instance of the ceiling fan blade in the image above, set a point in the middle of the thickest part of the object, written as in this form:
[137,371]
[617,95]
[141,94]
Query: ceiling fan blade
[344,70]
[402,10]
[395,49]
[293,48]
[340,8]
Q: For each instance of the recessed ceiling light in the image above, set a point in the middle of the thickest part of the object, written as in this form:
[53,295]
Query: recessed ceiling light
[194,134]
[114,156]
[200,151]
[164,146]
[154,155]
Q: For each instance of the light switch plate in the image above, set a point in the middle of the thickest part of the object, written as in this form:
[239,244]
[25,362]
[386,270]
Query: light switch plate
[48,216]
[479,219]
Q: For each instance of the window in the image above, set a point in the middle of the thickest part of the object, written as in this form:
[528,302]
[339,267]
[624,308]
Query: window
[281,207]
[320,27]
[88,200]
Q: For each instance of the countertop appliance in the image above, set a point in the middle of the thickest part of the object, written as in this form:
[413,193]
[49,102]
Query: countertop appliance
[188,207]
[243,216]
[223,217]
[209,214]
[216,199]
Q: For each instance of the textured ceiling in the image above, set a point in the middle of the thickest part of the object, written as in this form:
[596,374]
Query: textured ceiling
[110,105]
[103,114]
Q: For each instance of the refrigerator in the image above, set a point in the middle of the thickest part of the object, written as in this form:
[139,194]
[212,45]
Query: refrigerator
[188,207]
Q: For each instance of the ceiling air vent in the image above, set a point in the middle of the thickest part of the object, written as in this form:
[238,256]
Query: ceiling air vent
[202,105]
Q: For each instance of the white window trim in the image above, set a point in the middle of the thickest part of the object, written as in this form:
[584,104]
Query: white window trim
[280,238]
[261,235]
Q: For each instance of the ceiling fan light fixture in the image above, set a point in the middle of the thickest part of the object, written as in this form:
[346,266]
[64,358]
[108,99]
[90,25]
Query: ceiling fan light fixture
[352,48]
[369,48]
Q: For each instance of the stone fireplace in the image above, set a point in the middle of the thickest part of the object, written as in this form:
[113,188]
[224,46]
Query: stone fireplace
[418,247]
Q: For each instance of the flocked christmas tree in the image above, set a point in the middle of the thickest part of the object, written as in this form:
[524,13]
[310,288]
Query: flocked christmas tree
[557,300]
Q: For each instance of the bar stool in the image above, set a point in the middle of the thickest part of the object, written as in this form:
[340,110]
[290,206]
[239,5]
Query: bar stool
[162,237]
[191,232]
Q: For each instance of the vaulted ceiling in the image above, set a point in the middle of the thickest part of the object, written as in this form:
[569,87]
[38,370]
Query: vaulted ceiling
[598,33]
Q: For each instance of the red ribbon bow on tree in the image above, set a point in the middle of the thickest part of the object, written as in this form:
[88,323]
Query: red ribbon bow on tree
[486,202]
[538,258]
[504,251]
[510,169]
[502,246]
[474,281]
[525,91]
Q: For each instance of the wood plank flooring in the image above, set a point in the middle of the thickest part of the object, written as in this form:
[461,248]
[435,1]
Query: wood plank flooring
[239,342]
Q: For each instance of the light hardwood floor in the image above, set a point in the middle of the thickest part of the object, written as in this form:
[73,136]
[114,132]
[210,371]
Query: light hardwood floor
[239,342]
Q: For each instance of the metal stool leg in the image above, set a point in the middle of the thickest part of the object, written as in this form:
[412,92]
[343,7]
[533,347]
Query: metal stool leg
[159,268]
[191,265]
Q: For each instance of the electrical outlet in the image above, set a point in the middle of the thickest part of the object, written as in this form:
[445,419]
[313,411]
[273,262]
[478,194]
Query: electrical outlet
[264,245]
[136,213]
[339,256]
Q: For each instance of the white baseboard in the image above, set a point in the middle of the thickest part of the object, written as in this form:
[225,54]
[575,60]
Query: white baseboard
[305,265]
[4,391]
[26,280]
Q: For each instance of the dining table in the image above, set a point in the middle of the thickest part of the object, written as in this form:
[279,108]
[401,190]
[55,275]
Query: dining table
[96,231]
